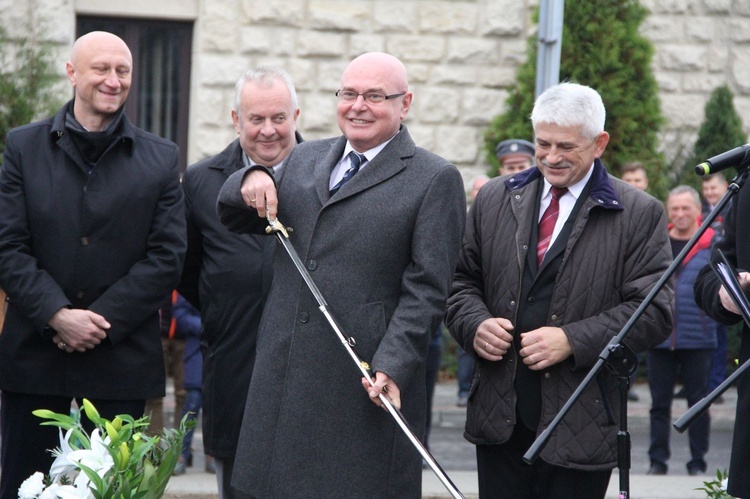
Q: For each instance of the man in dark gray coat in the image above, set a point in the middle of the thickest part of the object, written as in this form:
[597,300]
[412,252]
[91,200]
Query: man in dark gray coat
[228,276]
[379,233]
[555,260]
[92,239]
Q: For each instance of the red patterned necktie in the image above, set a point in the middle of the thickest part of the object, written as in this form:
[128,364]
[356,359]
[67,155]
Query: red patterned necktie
[547,223]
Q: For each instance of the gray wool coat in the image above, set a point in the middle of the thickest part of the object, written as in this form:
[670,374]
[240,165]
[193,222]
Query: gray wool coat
[382,250]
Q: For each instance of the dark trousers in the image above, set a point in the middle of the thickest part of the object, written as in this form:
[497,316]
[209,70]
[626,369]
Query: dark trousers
[663,366]
[193,403]
[26,444]
[503,474]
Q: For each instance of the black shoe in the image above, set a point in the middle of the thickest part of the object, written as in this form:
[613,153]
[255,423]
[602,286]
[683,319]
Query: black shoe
[695,469]
[657,469]
[633,396]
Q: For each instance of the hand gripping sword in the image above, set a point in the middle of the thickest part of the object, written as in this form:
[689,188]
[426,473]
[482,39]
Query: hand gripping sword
[282,235]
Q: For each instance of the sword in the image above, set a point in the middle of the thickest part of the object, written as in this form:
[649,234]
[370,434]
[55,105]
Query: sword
[282,235]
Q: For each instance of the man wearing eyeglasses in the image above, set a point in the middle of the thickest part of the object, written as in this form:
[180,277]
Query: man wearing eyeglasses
[378,222]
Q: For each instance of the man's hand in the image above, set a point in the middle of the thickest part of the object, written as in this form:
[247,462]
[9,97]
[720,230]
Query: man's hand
[258,190]
[78,329]
[493,338]
[544,347]
[382,383]
[726,300]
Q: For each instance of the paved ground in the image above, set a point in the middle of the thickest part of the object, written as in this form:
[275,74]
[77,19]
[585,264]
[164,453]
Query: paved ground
[456,456]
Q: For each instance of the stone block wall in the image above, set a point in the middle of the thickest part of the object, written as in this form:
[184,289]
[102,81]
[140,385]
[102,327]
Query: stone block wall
[461,55]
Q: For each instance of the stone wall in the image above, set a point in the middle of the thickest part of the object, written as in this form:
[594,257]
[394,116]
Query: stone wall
[461,55]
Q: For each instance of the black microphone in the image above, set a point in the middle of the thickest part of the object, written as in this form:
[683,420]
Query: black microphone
[733,157]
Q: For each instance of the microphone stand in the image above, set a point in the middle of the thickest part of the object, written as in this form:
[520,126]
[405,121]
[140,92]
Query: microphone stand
[616,344]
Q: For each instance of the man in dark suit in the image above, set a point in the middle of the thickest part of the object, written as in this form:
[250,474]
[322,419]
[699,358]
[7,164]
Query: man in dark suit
[711,296]
[378,222]
[226,275]
[92,238]
[554,262]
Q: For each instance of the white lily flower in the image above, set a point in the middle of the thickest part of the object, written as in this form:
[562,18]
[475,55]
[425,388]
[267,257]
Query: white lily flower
[32,486]
[62,464]
[97,459]
[57,491]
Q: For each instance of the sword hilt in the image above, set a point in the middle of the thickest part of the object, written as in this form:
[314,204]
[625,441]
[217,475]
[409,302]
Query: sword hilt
[275,225]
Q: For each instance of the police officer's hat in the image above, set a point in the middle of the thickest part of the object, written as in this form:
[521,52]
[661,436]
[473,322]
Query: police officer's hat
[514,146]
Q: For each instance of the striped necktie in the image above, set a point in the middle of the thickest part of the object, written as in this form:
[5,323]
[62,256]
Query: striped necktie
[355,160]
[547,223]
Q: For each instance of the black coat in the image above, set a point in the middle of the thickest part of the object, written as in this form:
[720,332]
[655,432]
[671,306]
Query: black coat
[736,246]
[227,277]
[112,241]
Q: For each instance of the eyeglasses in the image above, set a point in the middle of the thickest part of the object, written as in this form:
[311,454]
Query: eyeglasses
[369,97]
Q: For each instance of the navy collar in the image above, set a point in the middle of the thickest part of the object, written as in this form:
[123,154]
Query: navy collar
[602,191]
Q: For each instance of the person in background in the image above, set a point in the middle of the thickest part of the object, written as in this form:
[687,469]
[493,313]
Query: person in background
[228,276]
[514,155]
[690,348]
[433,370]
[188,324]
[173,346]
[92,238]
[554,262]
[378,222]
[713,188]
[634,173]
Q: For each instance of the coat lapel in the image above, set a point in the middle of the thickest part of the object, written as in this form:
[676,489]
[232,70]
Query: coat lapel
[324,165]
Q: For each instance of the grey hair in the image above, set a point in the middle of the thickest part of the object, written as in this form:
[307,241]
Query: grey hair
[682,189]
[571,104]
[265,75]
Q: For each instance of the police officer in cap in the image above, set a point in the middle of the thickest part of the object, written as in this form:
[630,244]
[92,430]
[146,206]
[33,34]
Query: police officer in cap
[514,155]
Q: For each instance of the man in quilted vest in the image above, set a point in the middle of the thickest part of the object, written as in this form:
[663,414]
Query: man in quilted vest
[554,262]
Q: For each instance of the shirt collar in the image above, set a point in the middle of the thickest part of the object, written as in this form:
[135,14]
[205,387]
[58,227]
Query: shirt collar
[575,189]
[249,162]
[370,153]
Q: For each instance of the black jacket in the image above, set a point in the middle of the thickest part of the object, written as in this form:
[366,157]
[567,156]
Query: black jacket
[111,241]
[736,246]
[227,277]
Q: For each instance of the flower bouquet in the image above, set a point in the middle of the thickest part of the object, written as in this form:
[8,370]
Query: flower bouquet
[118,460]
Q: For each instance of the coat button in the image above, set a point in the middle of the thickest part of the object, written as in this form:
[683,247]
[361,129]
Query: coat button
[513,303]
[312,265]
[554,317]
[84,241]
[531,299]
[547,375]
[303,317]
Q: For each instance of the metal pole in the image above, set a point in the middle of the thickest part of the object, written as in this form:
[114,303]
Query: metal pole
[549,44]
